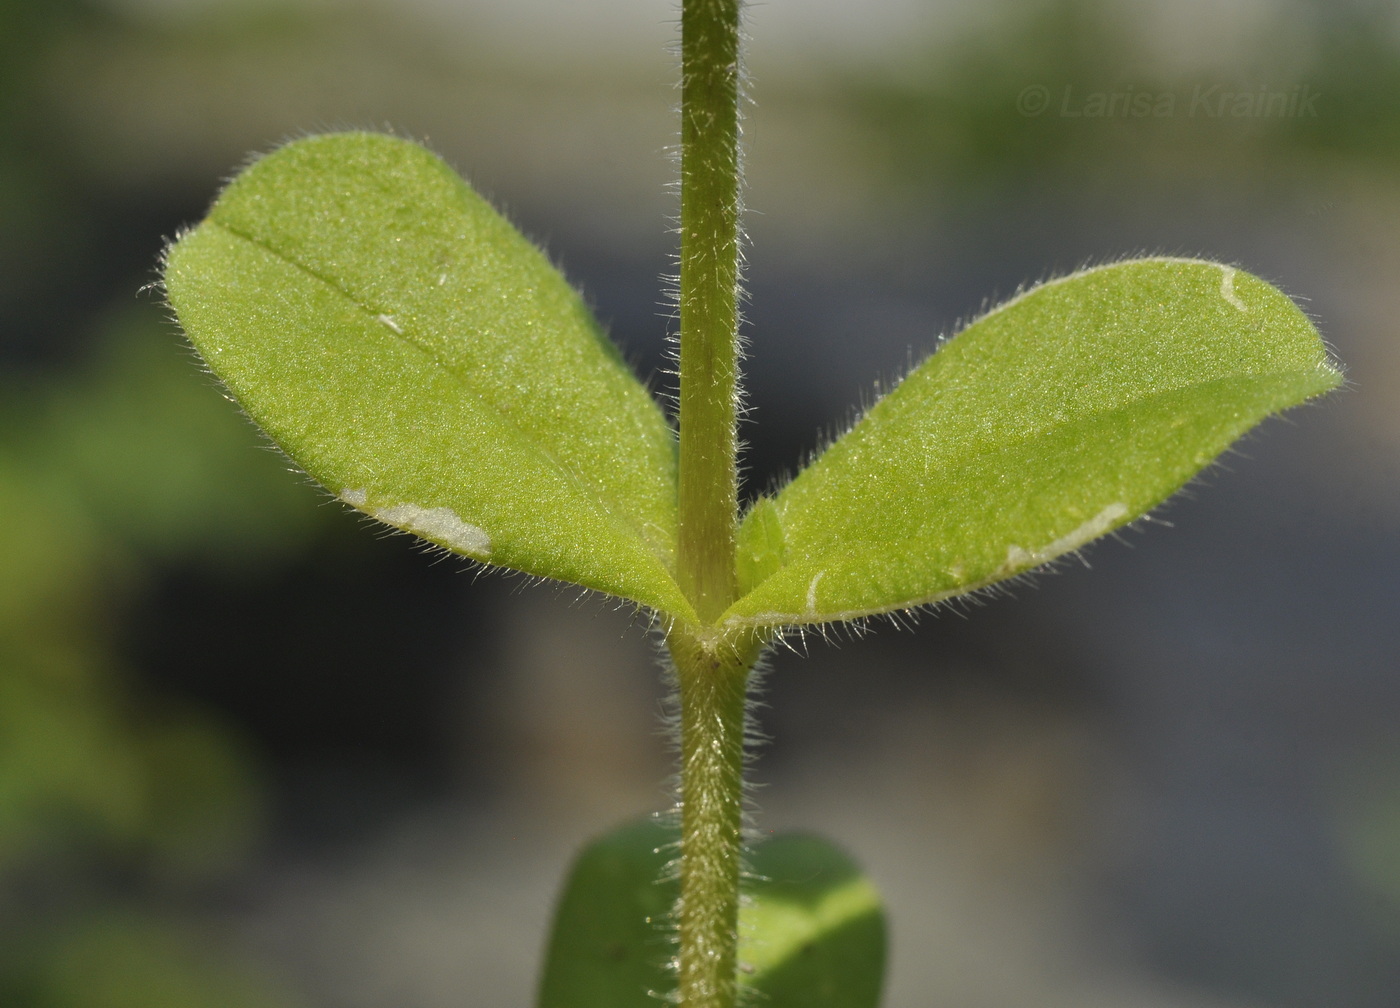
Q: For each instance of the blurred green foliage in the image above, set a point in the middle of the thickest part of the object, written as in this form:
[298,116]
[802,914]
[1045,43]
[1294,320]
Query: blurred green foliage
[126,462]
[110,796]
[958,118]
[118,805]
[124,960]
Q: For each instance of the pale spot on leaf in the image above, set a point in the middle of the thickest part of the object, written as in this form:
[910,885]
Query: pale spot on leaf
[1227,288]
[440,524]
[1018,558]
[812,593]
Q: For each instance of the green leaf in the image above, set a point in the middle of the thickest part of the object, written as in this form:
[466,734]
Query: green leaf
[425,363]
[611,943]
[812,931]
[812,934]
[1055,418]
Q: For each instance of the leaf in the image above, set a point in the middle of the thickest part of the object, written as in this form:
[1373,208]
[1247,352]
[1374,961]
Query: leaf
[425,363]
[610,943]
[812,931]
[1055,418]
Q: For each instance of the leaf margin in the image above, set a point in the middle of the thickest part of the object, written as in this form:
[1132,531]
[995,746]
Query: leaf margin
[1101,521]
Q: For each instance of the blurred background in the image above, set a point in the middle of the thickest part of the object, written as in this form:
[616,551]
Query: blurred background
[254,755]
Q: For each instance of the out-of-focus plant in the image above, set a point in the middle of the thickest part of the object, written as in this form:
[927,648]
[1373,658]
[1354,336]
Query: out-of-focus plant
[99,779]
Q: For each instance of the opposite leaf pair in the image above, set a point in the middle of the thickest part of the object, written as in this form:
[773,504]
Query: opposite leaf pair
[423,361]
[812,928]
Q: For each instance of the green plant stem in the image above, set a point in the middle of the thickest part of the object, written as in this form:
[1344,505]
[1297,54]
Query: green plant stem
[713,688]
[712,669]
[709,303]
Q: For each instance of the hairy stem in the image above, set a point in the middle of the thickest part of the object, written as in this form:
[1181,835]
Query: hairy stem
[709,308]
[712,670]
[713,690]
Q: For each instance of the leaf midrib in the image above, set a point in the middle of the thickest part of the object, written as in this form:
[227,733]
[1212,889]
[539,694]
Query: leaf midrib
[969,458]
[607,507]
[969,455]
